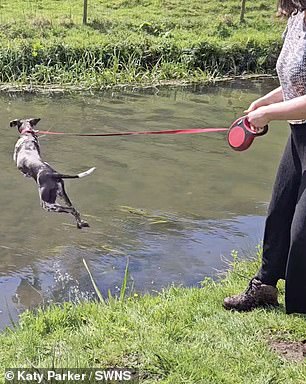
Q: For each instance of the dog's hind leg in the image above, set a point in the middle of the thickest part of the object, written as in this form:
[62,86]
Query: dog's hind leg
[50,207]
[63,195]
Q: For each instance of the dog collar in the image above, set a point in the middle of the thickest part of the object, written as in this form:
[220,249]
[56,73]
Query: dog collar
[32,132]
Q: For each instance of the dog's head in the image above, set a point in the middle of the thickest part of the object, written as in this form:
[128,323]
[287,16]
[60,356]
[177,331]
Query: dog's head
[25,125]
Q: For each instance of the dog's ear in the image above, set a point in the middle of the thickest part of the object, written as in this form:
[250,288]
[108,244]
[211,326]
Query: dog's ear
[34,122]
[15,123]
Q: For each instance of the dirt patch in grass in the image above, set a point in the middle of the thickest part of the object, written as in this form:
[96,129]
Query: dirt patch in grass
[290,350]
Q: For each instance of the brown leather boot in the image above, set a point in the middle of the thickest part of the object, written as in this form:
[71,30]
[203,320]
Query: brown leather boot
[256,295]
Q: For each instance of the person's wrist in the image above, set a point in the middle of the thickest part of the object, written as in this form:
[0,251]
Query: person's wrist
[268,112]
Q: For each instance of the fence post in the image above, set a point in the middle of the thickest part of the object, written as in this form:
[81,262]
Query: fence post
[242,12]
[85,12]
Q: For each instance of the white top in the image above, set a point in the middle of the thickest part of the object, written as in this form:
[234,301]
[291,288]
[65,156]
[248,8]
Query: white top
[291,63]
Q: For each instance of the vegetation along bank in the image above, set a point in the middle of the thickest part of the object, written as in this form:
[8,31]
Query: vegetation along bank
[135,41]
[181,335]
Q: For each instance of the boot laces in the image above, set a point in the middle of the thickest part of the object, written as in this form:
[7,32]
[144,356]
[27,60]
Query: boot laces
[254,284]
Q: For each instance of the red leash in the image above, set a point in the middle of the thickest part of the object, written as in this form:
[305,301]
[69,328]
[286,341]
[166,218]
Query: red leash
[165,132]
[240,135]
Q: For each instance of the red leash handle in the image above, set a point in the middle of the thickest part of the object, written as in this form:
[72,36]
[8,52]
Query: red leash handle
[241,134]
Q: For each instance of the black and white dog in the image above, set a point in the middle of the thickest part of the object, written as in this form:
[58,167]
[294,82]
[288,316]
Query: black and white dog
[50,182]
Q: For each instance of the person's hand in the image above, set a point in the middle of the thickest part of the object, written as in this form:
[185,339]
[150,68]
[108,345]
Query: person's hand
[258,118]
[256,104]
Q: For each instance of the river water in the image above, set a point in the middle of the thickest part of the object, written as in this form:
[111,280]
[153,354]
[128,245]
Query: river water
[176,206]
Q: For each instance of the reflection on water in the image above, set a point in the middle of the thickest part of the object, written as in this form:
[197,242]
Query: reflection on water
[175,205]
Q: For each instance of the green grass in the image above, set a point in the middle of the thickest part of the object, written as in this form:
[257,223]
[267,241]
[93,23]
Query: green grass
[134,41]
[181,335]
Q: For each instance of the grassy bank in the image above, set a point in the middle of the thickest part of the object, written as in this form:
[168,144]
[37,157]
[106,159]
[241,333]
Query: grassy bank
[181,335]
[135,41]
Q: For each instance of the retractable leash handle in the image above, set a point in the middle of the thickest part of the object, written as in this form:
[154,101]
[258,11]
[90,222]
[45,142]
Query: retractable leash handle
[241,134]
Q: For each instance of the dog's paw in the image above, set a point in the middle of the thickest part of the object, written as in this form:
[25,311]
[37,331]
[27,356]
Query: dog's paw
[84,224]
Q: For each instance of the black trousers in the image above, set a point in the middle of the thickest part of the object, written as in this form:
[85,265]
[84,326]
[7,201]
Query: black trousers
[284,245]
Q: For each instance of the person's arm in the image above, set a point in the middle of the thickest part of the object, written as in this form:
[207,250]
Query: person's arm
[272,97]
[294,109]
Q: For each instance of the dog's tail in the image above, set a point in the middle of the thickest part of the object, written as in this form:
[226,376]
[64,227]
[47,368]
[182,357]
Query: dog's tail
[78,176]
[86,173]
